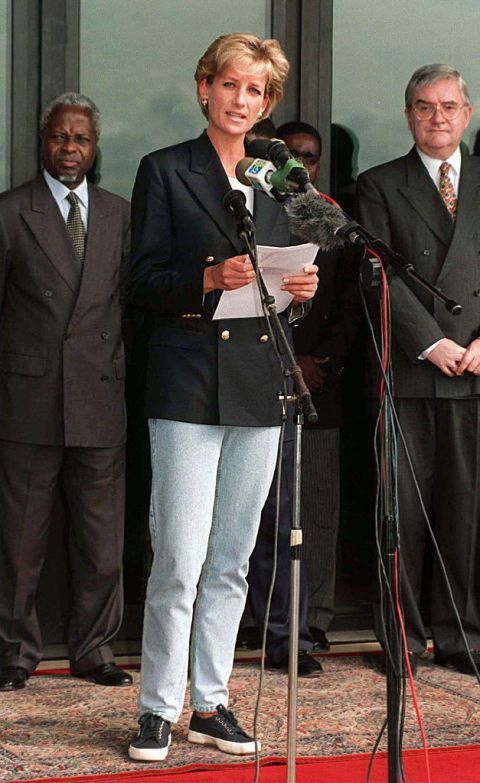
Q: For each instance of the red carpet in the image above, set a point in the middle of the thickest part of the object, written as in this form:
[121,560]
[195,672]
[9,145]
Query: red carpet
[447,765]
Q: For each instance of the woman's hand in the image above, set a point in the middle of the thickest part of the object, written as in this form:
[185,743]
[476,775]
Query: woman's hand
[302,287]
[230,274]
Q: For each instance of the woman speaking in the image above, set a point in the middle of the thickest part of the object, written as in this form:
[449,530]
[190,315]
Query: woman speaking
[211,397]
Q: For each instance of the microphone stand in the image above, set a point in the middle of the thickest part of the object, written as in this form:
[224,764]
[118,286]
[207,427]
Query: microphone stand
[303,407]
[395,665]
[356,234]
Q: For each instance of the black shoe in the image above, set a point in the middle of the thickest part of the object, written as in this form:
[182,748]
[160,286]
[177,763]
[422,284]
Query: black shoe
[459,661]
[308,666]
[248,638]
[320,641]
[153,739]
[107,674]
[222,730]
[12,678]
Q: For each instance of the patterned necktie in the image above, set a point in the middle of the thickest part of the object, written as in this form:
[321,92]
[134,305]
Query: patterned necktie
[75,226]
[447,191]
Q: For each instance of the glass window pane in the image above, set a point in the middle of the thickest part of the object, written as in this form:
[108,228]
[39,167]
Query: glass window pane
[377,47]
[5,94]
[137,61]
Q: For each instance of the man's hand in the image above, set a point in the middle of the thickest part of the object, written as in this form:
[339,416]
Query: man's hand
[447,356]
[302,287]
[313,373]
[230,274]
[470,361]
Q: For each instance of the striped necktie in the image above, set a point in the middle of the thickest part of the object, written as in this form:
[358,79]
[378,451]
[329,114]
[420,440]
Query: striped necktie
[75,226]
[447,191]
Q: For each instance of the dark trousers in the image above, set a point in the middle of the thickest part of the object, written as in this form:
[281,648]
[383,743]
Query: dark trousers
[320,520]
[443,438]
[93,483]
[261,569]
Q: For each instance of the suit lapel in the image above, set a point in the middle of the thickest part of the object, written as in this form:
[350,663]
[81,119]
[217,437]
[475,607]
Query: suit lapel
[48,227]
[98,252]
[208,183]
[468,211]
[421,193]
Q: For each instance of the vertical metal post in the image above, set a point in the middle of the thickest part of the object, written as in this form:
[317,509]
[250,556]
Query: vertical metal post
[295,564]
[393,657]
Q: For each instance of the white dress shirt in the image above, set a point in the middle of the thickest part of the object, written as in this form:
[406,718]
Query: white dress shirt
[60,192]
[433,167]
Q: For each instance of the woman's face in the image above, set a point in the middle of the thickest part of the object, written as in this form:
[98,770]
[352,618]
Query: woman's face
[235,99]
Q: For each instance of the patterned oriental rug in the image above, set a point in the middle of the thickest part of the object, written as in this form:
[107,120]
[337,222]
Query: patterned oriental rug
[64,729]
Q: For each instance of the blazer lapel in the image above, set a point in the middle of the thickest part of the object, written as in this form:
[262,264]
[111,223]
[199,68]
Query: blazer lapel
[424,197]
[48,227]
[266,214]
[207,181]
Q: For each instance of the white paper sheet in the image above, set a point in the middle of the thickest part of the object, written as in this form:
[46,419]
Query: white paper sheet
[275,263]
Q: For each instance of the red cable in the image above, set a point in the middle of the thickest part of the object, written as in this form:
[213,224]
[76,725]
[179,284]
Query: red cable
[411,680]
[385,357]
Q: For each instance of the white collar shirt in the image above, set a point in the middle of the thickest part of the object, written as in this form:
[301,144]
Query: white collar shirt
[60,192]
[433,167]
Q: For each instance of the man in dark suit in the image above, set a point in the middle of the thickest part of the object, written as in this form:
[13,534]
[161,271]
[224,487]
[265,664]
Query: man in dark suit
[322,341]
[426,206]
[62,418]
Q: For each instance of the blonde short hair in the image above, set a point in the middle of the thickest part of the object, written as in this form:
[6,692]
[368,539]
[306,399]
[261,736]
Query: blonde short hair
[246,51]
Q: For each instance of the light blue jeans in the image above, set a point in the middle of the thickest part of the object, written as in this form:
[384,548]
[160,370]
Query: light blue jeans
[209,485]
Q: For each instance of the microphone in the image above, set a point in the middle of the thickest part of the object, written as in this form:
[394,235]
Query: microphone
[271,149]
[235,202]
[263,175]
[315,220]
[257,173]
[292,175]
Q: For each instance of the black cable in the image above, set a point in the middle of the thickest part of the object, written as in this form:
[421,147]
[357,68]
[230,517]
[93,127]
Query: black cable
[252,251]
[379,531]
[269,599]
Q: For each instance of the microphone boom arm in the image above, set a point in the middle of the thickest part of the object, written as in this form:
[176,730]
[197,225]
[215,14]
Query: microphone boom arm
[353,231]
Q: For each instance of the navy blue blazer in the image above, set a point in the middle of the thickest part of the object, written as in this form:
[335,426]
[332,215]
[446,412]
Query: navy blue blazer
[199,370]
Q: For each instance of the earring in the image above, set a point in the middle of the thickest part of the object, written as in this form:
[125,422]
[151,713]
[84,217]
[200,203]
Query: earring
[259,115]
[204,103]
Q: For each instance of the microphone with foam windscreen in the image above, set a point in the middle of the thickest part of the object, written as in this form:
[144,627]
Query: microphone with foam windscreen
[315,220]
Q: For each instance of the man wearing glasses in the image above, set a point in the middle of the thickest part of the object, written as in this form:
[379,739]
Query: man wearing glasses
[426,206]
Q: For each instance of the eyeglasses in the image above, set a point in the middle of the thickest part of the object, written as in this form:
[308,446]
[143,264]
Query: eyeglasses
[424,110]
[307,158]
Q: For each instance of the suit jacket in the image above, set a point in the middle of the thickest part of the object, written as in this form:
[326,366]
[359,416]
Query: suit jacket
[62,363]
[399,202]
[199,370]
[330,328]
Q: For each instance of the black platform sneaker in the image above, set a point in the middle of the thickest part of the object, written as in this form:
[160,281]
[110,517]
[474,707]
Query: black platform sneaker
[153,739]
[222,730]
